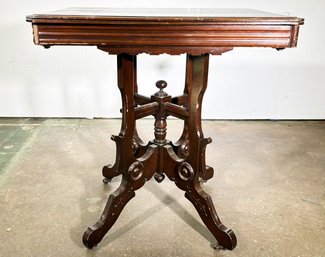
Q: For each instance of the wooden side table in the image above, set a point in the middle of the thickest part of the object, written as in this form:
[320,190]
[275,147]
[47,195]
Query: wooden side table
[196,32]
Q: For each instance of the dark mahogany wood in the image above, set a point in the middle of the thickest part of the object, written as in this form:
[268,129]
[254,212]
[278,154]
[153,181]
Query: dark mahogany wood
[172,31]
[196,32]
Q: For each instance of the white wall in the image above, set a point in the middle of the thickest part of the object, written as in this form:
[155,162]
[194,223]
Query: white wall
[246,83]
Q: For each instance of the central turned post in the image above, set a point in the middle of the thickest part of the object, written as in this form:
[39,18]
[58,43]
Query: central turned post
[160,97]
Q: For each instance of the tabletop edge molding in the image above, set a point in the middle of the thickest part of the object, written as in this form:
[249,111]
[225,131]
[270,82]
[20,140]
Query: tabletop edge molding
[165,34]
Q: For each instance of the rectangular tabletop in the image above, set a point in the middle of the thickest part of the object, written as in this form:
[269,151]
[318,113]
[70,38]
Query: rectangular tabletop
[168,30]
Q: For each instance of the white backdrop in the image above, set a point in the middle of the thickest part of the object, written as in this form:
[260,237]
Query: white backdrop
[246,83]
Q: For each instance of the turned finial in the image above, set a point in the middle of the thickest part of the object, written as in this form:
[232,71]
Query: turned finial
[161,84]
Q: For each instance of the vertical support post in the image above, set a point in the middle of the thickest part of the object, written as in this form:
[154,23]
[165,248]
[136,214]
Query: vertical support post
[125,143]
[127,84]
[196,81]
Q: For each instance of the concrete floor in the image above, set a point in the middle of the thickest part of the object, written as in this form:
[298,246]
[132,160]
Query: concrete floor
[269,187]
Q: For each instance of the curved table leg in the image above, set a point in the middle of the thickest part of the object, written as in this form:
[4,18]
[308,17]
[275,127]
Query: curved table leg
[204,206]
[114,207]
[139,171]
[188,180]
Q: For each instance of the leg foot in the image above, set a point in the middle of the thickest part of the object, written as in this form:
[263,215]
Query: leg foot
[106,180]
[204,206]
[216,246]
[87,239]
[114,207]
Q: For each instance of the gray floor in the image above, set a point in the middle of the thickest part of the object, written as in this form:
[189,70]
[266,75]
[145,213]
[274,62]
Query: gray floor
[269,187]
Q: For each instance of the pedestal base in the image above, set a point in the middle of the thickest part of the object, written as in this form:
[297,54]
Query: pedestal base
[182,162]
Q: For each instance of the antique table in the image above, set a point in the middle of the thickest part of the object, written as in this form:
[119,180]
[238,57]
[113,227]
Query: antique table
[195,32]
